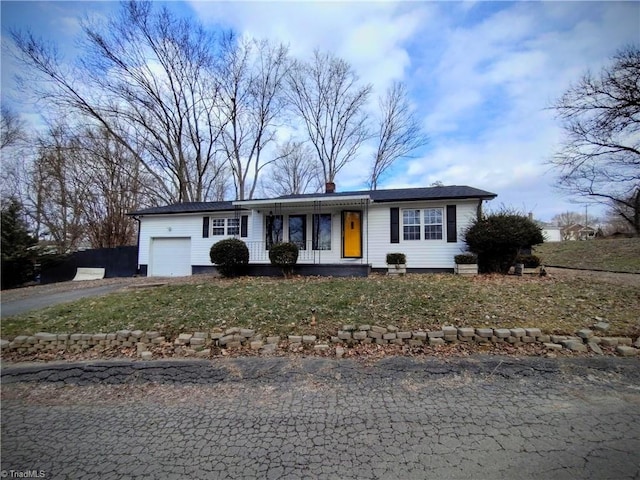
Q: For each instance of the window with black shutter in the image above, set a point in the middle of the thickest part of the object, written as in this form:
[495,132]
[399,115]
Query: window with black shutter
[395,225]
[205,227]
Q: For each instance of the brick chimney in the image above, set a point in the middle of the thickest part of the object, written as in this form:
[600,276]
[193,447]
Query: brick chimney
[330,187]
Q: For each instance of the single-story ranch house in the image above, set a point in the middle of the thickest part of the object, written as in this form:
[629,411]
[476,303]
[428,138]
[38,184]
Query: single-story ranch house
[338,233]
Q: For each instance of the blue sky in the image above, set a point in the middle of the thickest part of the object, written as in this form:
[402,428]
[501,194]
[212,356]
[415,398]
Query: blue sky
[481,74]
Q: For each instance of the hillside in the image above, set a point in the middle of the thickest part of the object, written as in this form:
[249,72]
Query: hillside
[616,255]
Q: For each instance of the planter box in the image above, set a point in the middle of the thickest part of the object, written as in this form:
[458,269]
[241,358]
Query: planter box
[531,271]
[466,269]
[399,269]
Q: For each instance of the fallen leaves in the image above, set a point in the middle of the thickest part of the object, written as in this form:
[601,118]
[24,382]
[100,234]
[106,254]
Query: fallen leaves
[276,307]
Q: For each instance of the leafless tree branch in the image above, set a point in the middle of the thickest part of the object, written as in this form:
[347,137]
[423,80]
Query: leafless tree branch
[600,156]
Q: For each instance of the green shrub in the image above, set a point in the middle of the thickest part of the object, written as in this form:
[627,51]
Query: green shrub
[285,256]
[466,258]
[230,256]
[498,238]
[396,259]
[529,261]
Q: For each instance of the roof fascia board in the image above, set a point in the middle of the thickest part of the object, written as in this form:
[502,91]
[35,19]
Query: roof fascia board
[191,212]
[272,201]
[437,199]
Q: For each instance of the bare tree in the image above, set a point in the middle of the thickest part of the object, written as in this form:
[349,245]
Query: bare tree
[566,219]
[11,128]
[251,75]
[111,183]
[295,171]
[81,187]
[614,224]
[13,140]
[147,79]
[600,157]
[399,132]
[54,197]
[326,96]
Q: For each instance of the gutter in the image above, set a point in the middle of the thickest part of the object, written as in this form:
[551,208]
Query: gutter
[137,219]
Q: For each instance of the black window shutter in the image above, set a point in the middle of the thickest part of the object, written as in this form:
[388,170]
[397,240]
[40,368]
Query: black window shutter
[205,227]
[395,225]
[452,226]
[244,231]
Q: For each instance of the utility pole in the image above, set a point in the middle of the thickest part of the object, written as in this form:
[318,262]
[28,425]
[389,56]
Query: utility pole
[586,218]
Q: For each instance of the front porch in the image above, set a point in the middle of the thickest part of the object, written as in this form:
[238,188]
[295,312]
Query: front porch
[309,269]
[329,232]
[307,255]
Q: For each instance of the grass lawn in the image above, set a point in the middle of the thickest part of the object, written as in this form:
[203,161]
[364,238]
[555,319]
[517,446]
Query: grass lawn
[278,306]
[616,255]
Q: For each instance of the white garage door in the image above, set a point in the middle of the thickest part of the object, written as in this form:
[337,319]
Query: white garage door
[170,257]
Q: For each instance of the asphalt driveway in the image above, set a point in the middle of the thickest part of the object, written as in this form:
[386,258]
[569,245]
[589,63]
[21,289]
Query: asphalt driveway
[22,300]
[37,301]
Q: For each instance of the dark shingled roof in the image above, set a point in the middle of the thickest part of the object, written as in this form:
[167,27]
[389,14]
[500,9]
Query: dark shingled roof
[407,194]
[186,207]
[451,192]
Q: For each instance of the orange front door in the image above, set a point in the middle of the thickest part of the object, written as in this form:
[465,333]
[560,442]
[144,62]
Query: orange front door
[352,234]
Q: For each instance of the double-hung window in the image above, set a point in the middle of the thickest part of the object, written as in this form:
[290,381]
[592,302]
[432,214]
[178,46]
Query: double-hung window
[217,227]
[433,224]
[221,227]
[411,224]
[274,233]
[298,230]
[322,231]
[422,224]
[233,226]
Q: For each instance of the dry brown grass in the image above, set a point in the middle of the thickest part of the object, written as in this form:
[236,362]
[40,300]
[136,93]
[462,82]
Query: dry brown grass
[556,304]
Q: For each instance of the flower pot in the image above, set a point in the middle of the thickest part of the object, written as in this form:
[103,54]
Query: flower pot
[397,269]
[466,269]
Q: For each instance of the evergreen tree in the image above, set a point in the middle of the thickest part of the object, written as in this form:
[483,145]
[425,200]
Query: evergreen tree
[18,259]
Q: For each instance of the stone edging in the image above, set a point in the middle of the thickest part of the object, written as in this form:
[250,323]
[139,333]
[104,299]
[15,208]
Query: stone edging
[199,344]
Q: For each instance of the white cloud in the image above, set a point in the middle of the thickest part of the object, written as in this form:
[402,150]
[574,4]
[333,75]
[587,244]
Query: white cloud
[370,36]
[494,78]
[482,74]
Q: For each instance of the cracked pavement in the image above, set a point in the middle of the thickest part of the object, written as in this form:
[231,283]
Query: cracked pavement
[482,417]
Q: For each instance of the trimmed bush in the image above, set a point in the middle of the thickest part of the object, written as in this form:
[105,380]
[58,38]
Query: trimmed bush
[498,238]
[285,256]
[466,258]
[529,261]
[396,259]
[229,256]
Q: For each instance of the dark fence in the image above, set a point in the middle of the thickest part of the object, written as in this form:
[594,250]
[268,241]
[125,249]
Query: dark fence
[117,262]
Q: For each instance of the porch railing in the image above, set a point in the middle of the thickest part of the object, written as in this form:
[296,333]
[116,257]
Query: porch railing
[258,252]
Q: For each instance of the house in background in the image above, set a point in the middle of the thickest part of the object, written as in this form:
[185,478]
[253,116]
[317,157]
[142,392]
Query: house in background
[551,233]
[338,233]
[578,232]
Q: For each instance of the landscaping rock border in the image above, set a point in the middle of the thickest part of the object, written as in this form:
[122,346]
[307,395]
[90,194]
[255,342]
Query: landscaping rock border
[200,344]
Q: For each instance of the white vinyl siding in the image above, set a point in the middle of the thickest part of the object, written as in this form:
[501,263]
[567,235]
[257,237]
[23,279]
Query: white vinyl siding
[420,254]
[375,230]
[184,226]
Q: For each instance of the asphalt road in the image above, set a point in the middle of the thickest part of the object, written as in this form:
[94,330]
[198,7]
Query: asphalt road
[37,301]
[279,418]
